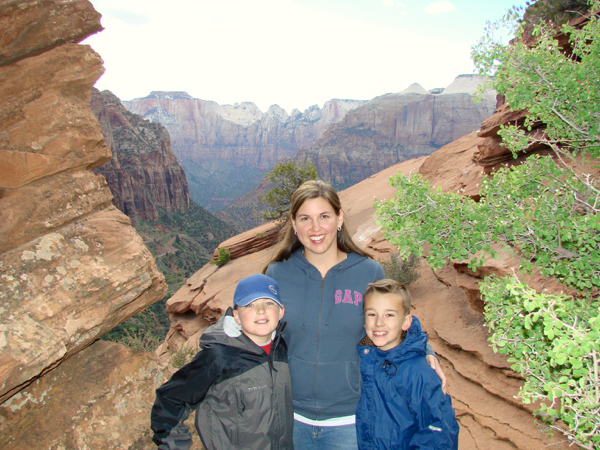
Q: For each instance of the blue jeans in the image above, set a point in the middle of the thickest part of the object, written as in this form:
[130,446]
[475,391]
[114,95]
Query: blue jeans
[308,437]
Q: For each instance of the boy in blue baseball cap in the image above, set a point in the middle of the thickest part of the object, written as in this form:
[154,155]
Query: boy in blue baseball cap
[239,383]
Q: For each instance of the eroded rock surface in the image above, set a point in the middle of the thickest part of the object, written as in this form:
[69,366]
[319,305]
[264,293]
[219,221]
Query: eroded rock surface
[71,265]
[98,399]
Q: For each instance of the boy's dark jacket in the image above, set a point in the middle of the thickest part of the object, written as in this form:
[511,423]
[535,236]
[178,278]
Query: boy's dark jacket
[402,405]
[242,395]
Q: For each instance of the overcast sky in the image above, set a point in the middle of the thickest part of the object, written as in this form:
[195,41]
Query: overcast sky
[294,53]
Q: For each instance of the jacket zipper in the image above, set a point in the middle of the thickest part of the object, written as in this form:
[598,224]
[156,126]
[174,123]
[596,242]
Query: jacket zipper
[319,339]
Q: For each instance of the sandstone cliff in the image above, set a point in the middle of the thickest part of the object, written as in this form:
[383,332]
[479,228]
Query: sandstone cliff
[143,173]
[482,385]
[396,127]
[71,265]
[220,143]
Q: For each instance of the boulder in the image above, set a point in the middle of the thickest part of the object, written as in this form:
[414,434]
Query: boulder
[98,399]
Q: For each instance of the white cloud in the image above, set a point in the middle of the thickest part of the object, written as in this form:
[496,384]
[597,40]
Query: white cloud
[388,3]
[439,7]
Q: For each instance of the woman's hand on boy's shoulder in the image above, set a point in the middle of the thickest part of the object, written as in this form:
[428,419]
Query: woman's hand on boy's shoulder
[435,365]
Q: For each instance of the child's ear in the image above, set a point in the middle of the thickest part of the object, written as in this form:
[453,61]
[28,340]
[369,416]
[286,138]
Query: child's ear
[407,322]
[236,317]
[281,312]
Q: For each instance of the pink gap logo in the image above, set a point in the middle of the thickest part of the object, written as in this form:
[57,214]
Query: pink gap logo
[348,298]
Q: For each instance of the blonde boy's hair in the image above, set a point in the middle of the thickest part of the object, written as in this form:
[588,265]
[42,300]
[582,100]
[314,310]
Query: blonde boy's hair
[389,286]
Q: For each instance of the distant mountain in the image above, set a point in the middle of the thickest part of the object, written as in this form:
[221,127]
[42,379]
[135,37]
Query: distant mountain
[150,186]
[225,149]
[143,173]
[396,127]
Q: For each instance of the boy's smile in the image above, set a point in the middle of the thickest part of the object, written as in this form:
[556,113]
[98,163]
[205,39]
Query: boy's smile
[385,319]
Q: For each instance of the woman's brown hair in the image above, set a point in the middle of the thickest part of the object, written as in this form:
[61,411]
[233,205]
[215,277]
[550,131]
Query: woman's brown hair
[289,242]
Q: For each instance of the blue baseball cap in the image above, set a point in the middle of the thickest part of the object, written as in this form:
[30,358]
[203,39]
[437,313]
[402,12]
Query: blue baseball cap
[254,287]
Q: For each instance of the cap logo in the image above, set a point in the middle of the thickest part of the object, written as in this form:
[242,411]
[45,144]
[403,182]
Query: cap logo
[272,289]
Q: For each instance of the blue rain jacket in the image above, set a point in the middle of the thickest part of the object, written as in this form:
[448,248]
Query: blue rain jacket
[402,405]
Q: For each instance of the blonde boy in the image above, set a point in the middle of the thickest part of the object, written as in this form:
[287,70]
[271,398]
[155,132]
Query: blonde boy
[402,405]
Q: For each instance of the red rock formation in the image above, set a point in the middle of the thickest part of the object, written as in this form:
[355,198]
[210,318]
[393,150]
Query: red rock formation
[98,399]
[71,265]
[143,173]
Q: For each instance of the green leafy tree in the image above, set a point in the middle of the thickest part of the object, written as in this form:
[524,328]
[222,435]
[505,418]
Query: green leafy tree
[546,210]
[285,177]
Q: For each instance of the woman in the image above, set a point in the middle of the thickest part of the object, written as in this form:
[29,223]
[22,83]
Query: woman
[322,275]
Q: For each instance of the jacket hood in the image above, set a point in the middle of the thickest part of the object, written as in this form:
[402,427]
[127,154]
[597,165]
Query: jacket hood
[228,332]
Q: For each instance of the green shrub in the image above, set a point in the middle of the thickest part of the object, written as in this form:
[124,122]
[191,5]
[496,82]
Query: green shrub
[403,270]
[139,339]
[285,177]
[546,209]
[223,257]
[182,356]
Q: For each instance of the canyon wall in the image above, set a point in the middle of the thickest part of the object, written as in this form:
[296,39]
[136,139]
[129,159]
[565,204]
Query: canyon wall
[71,265]
[396,127]
[143,173]
[226,149]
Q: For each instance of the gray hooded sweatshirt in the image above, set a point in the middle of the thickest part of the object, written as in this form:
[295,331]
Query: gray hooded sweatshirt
[241,395]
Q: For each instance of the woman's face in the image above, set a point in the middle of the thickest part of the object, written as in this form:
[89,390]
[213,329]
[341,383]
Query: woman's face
[316,225]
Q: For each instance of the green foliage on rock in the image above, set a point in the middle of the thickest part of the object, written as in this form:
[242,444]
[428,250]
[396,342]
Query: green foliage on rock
[183,355]
[547,209]
[223,257]
[285,177]
[555,11]
[144,331]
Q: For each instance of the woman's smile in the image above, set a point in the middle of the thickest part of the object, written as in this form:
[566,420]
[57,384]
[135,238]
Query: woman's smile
[316,225]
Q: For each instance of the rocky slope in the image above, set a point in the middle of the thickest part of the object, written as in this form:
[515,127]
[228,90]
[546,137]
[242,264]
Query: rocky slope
[395,127]
[220,143]
[482,385]
[143,173]
[71,265]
